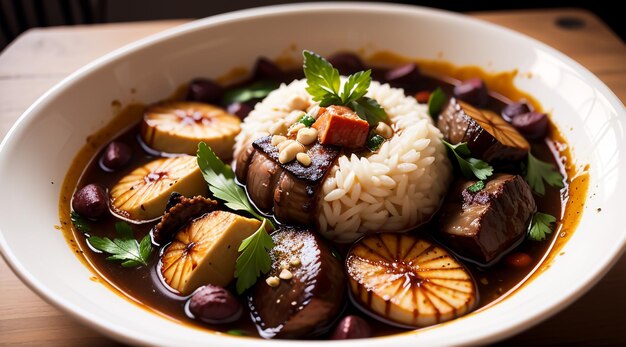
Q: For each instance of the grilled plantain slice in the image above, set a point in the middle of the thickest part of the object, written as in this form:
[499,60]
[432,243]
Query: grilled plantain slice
[178,127]
[205,251]
[142,195]
[409,281]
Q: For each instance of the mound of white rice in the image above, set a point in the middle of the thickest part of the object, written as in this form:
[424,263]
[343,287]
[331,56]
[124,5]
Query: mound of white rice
[392,190]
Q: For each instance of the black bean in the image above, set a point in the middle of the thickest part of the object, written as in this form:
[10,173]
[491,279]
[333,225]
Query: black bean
[91,201]
[404,76]
[116,155]
[346,63]
[513,110]
[239,109]
[473,91]
[352,327]
[533,125]
[204,90]
[266,69]
[214,305]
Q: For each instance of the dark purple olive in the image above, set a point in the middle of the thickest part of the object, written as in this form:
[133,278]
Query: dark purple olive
[204,90]
[351,327]
[513,110]
[239,109]
[406,75]
[472,91]
[116,155]
[266,69]
[533,125]
[214,305]
[91,201]
[346,63]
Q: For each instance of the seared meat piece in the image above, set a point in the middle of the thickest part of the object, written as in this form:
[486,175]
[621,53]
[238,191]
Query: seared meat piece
[308,299]
[289,190]
[340,126]
[482,226]
[488,136]
[180,211]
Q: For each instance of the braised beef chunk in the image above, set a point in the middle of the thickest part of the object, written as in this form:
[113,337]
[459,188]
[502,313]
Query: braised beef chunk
[482,226]
[308,297]
[488,136]
[289,191]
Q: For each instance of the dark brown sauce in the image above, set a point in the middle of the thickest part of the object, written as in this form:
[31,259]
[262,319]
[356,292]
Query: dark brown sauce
[144,286]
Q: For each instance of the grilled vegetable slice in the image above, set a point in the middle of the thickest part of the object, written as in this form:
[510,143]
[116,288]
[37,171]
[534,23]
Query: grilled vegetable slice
[178,127]
[409,281]
[488,136]
[205,251]
[142,195]
[303,292]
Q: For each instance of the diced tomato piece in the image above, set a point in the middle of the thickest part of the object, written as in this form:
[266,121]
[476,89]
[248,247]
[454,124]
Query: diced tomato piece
[422,97]
[340,126]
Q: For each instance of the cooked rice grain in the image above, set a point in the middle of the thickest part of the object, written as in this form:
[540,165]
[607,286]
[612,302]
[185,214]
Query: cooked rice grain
[394,189]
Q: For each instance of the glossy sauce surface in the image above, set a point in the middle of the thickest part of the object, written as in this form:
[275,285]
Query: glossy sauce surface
[144,286]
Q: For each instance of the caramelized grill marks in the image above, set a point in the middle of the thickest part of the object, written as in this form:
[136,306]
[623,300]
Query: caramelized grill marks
[409,281]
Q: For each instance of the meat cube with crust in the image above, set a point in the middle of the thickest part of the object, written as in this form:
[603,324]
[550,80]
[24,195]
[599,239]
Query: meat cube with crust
[340,126]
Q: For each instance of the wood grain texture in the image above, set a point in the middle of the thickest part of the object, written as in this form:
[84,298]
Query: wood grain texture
[41,57]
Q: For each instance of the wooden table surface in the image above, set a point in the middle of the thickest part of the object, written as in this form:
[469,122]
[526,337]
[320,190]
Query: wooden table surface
[41,57]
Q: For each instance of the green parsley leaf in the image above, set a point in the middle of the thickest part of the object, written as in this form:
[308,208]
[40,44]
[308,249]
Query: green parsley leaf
[537,171]
[257,90]
[356,86]
[124,248]
[476,187]
[541,226]
[470,167]
[221,180]
[435,102]
[369,110]
[307,120]
[324,83]
[374,142]
[81,224]
[322,77]
[254,258]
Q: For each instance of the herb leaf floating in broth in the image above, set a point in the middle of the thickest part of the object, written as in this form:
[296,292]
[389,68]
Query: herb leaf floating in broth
[257,90]
[254,258]
[537,171]
[435,102]
[470,167]
[124,247]
[324,83]
[81,224]
[541,226]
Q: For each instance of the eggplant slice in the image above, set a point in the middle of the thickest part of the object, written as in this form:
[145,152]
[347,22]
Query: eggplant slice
[308,303]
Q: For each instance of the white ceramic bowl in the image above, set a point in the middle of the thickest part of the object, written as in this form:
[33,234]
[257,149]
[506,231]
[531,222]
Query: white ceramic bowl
[44,141]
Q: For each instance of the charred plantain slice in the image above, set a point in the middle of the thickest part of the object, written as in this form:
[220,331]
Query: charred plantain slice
[488,136]
[409,281]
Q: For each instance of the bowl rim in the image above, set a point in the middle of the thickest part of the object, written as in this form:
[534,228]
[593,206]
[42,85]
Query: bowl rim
[122,333]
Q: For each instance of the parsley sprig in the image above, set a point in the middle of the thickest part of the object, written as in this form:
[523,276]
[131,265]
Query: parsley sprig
[80,223]
[541,226]
[470,167]
[254,258]
[324,85]
[536,172]
[124,247]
